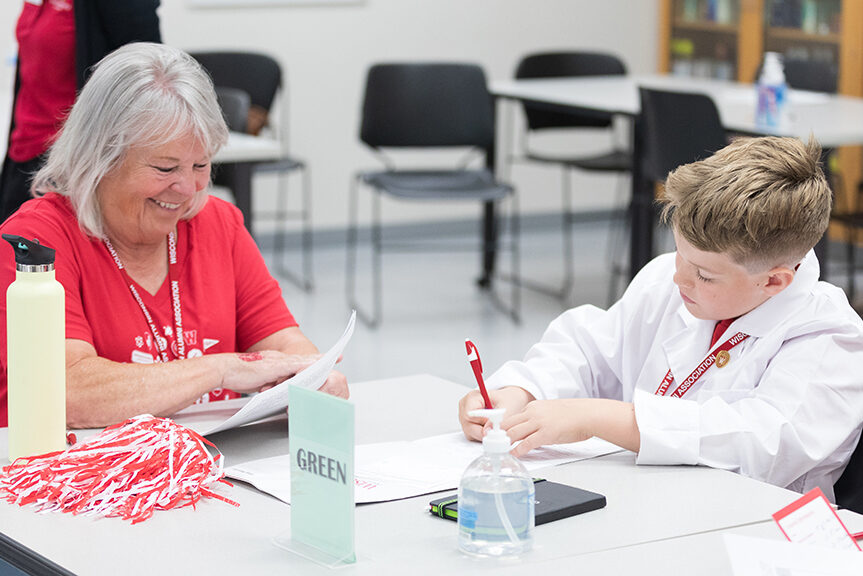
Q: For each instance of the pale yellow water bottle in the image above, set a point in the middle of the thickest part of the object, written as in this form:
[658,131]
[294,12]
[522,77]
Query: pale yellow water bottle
[36,356]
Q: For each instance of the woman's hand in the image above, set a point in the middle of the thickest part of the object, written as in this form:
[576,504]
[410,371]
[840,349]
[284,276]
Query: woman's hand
[336,384]
[512,398]
[259,371]
[293,344]
[255,371]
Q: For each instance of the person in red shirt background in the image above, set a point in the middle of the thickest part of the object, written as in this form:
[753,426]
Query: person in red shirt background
[168,298]
[58,42]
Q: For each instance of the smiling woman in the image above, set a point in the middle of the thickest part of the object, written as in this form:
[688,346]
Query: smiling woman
[142,200]
[167,295]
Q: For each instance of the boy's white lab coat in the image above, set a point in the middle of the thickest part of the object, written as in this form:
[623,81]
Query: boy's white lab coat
[787,409]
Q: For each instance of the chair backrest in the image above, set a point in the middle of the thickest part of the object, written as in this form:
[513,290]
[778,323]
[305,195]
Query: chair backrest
[811,75]
[849,488]
[427,105]
[677,128]
[803,74]
[257,74]
[561,65]
[235,107]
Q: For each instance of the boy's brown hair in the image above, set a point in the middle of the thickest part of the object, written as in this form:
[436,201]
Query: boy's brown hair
[763,201]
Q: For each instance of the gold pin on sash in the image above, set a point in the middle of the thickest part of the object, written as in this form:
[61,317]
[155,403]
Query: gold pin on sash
[722,358]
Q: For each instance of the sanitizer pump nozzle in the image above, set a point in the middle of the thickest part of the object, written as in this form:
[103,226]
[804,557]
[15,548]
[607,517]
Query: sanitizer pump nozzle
[495,441]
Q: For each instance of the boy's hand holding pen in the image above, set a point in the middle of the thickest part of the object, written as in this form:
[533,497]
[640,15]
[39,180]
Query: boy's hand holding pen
[511,398]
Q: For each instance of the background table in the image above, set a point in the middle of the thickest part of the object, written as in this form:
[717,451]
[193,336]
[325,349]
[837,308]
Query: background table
[235,162]
[832,119]
[647,506]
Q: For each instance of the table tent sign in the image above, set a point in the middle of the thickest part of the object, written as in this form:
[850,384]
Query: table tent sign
[322,478]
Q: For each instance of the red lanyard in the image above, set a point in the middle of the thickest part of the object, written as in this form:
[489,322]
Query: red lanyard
[719,356]
[160,341]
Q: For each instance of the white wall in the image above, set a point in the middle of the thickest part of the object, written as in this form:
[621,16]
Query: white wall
[326,51]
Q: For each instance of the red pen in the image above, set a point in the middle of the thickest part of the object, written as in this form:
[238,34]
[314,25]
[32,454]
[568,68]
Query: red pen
[476,364]
[857,535]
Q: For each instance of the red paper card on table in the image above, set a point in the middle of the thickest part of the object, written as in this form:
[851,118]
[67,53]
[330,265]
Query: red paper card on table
[812,520]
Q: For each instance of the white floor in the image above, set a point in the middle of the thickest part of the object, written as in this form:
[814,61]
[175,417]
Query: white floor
[431,304]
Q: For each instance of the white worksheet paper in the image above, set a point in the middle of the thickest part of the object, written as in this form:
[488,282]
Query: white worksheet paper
[270,402]
[394,470]
[763,557]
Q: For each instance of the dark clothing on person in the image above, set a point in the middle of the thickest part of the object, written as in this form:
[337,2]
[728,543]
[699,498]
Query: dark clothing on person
[101,26]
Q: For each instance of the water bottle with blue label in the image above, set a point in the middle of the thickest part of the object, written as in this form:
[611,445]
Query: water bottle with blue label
[772,109]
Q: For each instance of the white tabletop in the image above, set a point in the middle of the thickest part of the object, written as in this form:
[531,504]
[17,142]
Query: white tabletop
[703,554]
[247,148]
[645,504]
[834,120]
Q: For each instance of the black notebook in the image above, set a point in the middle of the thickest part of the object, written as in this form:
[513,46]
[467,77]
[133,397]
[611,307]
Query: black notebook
[553,501]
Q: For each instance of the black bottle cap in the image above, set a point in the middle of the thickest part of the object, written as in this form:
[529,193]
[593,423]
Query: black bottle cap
[29,252]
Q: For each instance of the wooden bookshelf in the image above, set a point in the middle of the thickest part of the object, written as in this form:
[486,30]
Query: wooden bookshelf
[797,35]
[709,27]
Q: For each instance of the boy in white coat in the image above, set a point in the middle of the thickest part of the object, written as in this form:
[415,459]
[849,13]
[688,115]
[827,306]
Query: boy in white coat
[777,396]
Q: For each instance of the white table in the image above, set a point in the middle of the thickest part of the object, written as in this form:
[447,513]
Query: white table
[702,554]
[237,158]
[833,120]
[248,148]
[647,507]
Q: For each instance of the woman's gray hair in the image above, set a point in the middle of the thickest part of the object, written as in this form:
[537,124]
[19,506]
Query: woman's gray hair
[142,94]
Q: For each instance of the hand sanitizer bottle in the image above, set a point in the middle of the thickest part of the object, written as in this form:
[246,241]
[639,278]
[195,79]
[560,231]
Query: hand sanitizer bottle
[495,498]
[36,352]
[772,109]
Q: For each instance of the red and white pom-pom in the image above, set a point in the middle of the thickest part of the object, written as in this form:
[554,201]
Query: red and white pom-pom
[129,470]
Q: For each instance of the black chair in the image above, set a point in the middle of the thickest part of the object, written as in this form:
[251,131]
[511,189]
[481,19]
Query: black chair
[850,216]
[813,75]
[423,106]
[849,488]
[235,105]
[227,178]
[261,77]
[806,74]
[677,128]
[541,117]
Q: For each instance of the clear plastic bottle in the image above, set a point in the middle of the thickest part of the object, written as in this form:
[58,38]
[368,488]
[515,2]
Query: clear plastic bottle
[495,498]
[772,109]
[36,353]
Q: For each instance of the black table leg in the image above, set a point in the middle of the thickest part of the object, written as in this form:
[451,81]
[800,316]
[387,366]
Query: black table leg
[642,212]
[821,247]
[489,220]
[238,177]
[489,243]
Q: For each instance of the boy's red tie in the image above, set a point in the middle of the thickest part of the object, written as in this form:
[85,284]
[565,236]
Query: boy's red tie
[720,329]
